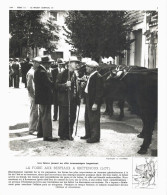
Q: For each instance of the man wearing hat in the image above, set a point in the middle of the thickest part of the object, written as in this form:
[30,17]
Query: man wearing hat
[61,65]
[68,99]
[44,97]
[31,93]
[94,93]
[55,71]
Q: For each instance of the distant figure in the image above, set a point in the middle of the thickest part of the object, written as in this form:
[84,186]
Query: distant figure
[10,73]
[33,120]
[61,65]
[25,67]
[15,67]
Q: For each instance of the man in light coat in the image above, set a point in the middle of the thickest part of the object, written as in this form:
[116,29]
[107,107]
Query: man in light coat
[31,93]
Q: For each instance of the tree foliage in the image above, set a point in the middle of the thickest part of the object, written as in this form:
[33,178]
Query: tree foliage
[98,33]
[27,29]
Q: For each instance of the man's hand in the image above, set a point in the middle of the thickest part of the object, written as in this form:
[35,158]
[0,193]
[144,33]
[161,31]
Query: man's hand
[68,84]
[94,107]
[49,74]
[83,84]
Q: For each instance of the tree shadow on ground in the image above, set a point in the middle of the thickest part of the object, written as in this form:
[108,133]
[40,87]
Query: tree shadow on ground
[119,127]
[18,126]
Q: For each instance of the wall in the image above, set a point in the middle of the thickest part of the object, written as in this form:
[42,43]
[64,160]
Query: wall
[62,46]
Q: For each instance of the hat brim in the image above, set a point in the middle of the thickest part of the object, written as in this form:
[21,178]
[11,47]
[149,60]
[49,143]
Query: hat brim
[37,61]
[92,66]
[50,61]
[74,61]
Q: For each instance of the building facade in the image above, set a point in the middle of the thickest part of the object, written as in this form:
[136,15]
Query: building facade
[63,48]
[144,50]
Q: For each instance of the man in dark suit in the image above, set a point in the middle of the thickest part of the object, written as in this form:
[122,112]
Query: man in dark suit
[55,71]
[94,93]
[25,67]
[16,67]
[68,99]
[44,97]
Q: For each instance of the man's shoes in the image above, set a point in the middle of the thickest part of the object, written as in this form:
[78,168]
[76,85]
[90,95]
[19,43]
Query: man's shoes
[71,138]
[63,138]
[140,135]
[67,138]
[50,139]
[84,137]
[142,151]
[92,140]
[33,133]
[39,136]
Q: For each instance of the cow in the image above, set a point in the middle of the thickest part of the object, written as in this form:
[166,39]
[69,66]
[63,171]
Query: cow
[105,70]
[139,89]
[119,69]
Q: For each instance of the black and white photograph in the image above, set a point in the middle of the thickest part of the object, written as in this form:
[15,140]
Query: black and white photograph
[84,98]
[84,83]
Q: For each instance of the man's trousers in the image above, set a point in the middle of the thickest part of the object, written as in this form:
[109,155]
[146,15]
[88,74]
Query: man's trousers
[33,120]
[44,126]
[92,122]
[16,80]
[64,130]
[55,108]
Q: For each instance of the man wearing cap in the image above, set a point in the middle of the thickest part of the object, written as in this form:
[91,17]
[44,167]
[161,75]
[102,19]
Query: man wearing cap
[31,93]
[44,97]
[68,99]
[94,93]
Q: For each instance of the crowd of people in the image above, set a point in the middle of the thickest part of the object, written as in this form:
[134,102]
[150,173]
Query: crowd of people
[57,83]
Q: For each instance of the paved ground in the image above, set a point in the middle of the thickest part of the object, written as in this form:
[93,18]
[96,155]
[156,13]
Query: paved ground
[118,138]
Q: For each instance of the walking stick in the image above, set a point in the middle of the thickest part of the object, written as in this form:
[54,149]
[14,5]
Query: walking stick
[69,117]
[77,120]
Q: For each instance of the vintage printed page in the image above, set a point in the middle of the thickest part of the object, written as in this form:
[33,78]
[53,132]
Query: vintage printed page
[114,163]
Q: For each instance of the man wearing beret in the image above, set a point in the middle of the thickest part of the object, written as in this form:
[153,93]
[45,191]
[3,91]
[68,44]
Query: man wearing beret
[94,93]
[44,97]
[68,99]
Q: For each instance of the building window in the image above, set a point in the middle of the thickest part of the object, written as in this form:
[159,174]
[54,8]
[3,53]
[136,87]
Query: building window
[45,53]
[54,14]
[54,55]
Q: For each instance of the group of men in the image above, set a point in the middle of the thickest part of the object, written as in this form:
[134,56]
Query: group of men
[18,68]
[61,88]
[14,68]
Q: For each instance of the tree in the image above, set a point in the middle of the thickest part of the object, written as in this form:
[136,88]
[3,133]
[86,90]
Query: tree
[97,33]
[27,29]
